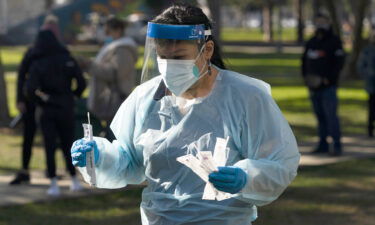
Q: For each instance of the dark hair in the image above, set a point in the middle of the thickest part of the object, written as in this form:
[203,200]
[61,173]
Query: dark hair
[185,14]
[115,23]
[323,16]
[46,44]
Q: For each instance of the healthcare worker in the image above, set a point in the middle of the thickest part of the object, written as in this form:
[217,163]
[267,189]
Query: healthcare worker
[186,101]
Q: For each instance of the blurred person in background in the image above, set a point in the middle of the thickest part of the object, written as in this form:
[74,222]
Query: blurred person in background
[322,62]
[27,107]
[366,68]
[51,23]
[112,72]
[49,85]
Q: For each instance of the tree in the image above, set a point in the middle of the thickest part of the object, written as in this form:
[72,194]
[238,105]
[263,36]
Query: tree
[214,7]
[267,20]
[4,112]
[48,4]
[332,9]
[241,6]
[268,7]
[212,10]
[360,9]
[316,7]
[300,24]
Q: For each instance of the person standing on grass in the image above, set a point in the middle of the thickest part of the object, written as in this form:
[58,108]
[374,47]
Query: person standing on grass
[322,62]
[27,107]
[112,73]
[50,86]
[366,67]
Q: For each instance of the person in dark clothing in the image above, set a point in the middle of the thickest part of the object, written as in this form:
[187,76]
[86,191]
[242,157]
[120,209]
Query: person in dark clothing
[49,85]
[366,67]
[27,108]
[322,62]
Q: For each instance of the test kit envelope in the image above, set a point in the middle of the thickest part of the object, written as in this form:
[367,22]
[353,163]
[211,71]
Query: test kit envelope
[204,163]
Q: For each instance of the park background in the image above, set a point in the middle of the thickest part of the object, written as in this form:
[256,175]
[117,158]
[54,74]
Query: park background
[262,39]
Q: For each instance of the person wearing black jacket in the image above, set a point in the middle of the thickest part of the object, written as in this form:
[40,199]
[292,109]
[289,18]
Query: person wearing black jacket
[322,62]
[49,85]
[27,108]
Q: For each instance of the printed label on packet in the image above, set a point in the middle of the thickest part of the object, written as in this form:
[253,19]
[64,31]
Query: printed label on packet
[204,163]
[90,158]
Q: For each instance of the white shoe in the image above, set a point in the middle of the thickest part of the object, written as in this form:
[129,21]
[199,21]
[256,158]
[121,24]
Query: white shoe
[75,185]
[54,189]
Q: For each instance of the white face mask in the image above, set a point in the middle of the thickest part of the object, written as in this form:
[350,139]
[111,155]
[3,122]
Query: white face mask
[179,75]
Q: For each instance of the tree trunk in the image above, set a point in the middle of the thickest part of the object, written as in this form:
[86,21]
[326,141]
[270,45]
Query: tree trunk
[359,15]
[332,9]
[212,10]
[215,11]
[316,7]
[267,21]
[279,30]
[300,24]
[48,5]
[4,112]
[3,17]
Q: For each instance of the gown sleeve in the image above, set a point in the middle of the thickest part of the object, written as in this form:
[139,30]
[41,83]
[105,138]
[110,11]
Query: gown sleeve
[120,163]
[269,149]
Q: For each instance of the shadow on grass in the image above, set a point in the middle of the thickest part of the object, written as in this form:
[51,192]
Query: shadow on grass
[295,105]
[10,67]
[303,132]
[114,208]
[303,105]
[8,170]
[260,71]
[350,102]
[38,139]
[278,67]
[238,55]
[339,194]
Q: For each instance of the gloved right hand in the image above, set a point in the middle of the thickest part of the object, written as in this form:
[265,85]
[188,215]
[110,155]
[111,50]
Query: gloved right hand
[229,179]
[79,150]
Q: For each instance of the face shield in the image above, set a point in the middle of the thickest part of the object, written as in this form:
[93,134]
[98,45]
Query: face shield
[173,52]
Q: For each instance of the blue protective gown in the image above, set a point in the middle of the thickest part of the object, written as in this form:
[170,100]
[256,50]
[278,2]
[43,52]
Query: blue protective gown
[152,134]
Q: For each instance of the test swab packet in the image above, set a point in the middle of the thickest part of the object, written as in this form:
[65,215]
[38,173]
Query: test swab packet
[90,160]
[204,163]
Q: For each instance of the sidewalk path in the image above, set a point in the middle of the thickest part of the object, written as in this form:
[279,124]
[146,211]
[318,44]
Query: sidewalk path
[354,147]
[36,190]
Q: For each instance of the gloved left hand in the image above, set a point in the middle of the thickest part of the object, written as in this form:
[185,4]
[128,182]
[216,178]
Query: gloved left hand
[79,150]
[228,179]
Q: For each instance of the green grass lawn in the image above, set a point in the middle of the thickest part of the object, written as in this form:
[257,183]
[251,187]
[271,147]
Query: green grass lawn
[256,35]
[120,207]
[340,194]
[337,194]
[281,70]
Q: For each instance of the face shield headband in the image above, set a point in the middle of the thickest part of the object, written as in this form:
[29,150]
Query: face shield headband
[177,32]
[170,34]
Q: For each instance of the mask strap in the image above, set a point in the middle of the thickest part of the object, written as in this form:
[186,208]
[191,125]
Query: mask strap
[208,63]
[209,67]
[207,33]
[202,75]
[200,51]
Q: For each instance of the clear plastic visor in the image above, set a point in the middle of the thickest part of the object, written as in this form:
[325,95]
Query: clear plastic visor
[176,42]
